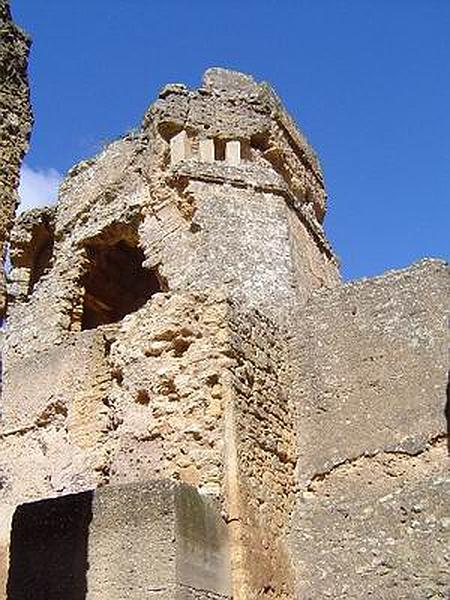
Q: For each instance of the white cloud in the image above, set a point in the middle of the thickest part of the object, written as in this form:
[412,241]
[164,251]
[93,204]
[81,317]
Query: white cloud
[38,187]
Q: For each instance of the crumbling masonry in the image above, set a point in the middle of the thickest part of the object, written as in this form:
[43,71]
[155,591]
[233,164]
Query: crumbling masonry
[15,125]
[194,405]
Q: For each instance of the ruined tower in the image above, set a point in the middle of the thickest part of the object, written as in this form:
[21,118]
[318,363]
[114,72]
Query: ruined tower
[191,398]
[145,309]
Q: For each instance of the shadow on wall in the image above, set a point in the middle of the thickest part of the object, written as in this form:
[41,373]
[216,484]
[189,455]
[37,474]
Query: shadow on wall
[49,549]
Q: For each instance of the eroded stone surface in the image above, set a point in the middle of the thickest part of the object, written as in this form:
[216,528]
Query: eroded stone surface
[15,124]
[376,527]
[372,360]
[371,395]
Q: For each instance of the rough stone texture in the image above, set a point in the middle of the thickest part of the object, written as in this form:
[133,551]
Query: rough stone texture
[376,527]
[261,453]
[371,390]
[179,315]
[188,387]
[160,540]
[15,124]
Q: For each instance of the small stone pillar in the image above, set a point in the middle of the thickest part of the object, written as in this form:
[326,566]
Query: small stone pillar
[233,153]
[206,150]
[180,147]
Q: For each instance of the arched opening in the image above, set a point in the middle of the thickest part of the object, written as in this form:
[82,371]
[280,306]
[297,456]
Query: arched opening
[115,283]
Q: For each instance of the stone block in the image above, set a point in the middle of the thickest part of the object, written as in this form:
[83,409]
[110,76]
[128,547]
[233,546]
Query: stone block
[159,539]
[233,153]
[371,394]
[206,150]
[228,81]
[180,148]
[63,380]
[376,528]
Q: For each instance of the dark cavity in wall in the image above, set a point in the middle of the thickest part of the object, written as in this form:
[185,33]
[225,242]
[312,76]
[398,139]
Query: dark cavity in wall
[219,149]
[115,283]
[49,549]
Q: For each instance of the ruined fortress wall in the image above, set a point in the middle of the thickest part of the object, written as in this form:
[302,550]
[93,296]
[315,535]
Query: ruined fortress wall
[146,324]
[15,124]
[371,395]
[250,229]
[261,458]
[189,387]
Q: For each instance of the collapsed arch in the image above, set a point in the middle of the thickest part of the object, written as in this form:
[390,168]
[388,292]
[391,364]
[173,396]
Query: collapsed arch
[115,281]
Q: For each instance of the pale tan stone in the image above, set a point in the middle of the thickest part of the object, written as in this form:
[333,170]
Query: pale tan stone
[180,147]
[206,150]
[233,153]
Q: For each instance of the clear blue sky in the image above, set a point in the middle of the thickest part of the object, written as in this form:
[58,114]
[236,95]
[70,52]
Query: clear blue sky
[367,80]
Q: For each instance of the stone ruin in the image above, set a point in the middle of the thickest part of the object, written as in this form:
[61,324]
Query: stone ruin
[16,121]
[194,405]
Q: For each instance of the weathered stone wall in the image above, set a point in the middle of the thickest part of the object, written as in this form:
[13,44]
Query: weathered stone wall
[244,228]
[167,393]
[247,212]
[371,391]
[127,402]
[201,225]
[261,456]
[179,210]
[15,124]
[188,387]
